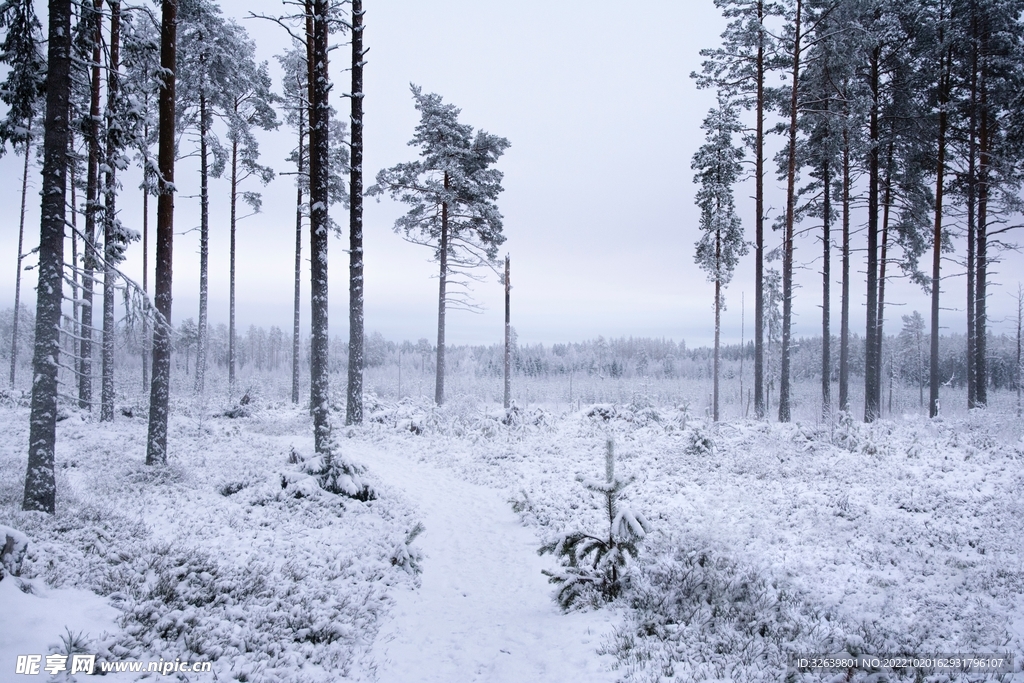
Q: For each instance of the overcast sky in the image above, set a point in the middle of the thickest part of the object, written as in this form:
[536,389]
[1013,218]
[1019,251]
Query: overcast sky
[603,118]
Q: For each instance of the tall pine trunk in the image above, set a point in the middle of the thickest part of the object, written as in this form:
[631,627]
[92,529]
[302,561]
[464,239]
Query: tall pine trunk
[933,369]
[319,109]
[441,300]
[92,207]
[232,341]
[718,321]
[760,410]
[507,402]
[145,270]
[787,257]
[354,397]
[40,485]
[826,298]
[980,309]
[21,252]
[156,446]
[296,331]
[883,261]
[872,361]
[204,242]
[844,304]
[111,236]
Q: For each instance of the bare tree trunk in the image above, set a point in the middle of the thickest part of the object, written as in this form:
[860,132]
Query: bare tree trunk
[92,207]
[1020,321]
[981,315]
[787,259]
[880,325]
[319,112]
[972,189]
[508,337]
[441,300]
[844,312]
[826,299]
[40,484]
[760,410]
[156,447]
[354,397]
[872,361]
[232,342]
[940,168]
[296,331]
[21,252]
[145,271]
[204,245]
[111,238]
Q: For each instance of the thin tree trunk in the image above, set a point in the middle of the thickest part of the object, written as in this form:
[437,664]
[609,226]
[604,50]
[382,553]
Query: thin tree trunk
[972,189]
[844,304]
[933,394]
[232,343]
[145,268]
[204,245]
[826,298]
[92,207]
[112,246]
[872,361]
[296,331]
[40,484]
[441,299]
[21,251]
[508,336]
[981,314]
[319,85]
[718,322]
[787,259]
[156,446]
[760,410]
[1020,321]
[354,398]
[880,326]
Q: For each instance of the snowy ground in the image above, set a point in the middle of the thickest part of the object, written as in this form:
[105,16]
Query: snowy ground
[769,541]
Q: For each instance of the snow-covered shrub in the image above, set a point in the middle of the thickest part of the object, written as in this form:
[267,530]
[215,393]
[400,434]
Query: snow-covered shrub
[596,567]
[699,440]
[405,555]
[13,546]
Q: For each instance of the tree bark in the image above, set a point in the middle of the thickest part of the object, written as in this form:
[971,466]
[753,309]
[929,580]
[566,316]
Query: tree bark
[232,333]
[933,393]
[296,330]
[111,238]
[204,244]
[872,395]
[760,410]
[844,312]
[880,325]
[92,207]
[508,337]
[354,398]
[319,111]
[787,259]
[826,299]
[441,299]
[40,484]
[156,447]
[145,270]
[718,322]
[980,309]
[21,252]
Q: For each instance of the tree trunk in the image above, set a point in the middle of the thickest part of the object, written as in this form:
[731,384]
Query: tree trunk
[156,447]
[718,325]
[933,394]
[204,244]
[844,304]
[145,270]
[972,189]
[112,246]
[826,299]
[319,168]
[880,325]
[232,341]
[40,485]
[296,331]
[354,397]
[21,251]
[872,393]
[760,410]
[787,259]
[508,337]
[441,297]
[89,249]
[980,309]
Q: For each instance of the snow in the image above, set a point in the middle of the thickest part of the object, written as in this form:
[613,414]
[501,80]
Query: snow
[766,540]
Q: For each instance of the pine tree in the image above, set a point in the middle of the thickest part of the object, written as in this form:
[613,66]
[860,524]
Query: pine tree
[718,168]
[156,446]
[354,394]
[452,192]
[40,484]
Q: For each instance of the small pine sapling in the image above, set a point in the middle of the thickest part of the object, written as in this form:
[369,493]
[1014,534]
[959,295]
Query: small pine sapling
[595,567]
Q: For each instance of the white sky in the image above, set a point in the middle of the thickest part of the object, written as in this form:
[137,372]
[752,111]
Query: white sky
[603,119]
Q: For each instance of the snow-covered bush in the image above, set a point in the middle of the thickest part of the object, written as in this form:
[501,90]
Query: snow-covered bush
[405,555]
[596,567]
[699,440]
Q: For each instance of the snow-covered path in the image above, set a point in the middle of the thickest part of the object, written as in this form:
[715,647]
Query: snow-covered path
[484,611]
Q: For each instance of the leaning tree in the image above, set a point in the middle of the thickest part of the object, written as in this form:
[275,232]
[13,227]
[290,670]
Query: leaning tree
[451,192]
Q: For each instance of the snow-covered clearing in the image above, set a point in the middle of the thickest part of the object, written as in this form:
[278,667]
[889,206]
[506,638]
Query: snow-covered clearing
[902,537]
